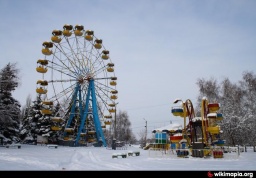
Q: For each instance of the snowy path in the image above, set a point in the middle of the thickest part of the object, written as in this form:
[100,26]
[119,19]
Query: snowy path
[31,157]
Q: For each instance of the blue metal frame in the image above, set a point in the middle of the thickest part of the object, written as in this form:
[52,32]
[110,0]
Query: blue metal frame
[72,112]
[90,97]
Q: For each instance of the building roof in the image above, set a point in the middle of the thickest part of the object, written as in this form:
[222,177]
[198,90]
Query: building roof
[170,128]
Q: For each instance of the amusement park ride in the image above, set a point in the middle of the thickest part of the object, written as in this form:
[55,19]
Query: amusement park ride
[80,71]
[199,134]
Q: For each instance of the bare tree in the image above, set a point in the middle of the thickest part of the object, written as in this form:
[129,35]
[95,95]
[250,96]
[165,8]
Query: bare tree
[123,128]
[208,88]
[27,105]
[142,138]
[238,106]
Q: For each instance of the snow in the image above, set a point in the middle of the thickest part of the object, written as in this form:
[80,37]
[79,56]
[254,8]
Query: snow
[169,127]
[40,157]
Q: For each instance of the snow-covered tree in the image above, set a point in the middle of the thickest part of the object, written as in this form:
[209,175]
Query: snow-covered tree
[142,138]
[25,134]
[9,107]
[54,136]
[35,123]
[238,106]
[208,88]
[24,108]
[44,122]
[30,127]
[123,129]
[9,79]
[231,108]
[248,85]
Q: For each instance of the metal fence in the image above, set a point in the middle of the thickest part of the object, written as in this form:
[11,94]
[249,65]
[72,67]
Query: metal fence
[232,153]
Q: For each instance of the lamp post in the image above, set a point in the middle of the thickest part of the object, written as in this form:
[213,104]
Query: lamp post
[146,131]
[115,135]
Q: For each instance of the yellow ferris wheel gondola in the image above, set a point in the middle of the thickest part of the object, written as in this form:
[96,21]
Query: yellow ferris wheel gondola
[67,30]
[57,119]
[41,89]
[46,50]
[79,30]
[89,35]
[105,54]
[55,128]
[41,67]
[114,91]
[56,38]
[107,122]
[98,43]
[112,110]
[110,67]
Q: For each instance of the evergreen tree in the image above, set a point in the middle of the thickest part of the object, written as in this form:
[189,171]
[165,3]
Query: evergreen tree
[55,135]
[9,107]
[44,121]
[30,126]
[29,130]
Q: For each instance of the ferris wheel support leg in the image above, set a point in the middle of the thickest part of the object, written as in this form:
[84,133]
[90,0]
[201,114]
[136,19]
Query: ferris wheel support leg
[99,132]
[80,103]
[73,107]
[83,116]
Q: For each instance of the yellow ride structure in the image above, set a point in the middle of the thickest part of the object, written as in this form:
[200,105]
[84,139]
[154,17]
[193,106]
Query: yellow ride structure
[201,134]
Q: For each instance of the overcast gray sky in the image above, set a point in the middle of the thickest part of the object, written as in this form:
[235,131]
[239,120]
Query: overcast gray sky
[160,48]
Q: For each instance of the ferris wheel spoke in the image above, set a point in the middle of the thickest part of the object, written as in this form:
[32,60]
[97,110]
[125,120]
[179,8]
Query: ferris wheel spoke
[87,64]
[103,100]
[91,52]
[77,59]
[99,71]
[62,71]
[105,91]
[62,80]
[97,62]
[62,67]
[71,62]
[94,59]
[90,68]
[63,93]
[62,64]
[75,46]
[103,78]
[88,51]
[100,85]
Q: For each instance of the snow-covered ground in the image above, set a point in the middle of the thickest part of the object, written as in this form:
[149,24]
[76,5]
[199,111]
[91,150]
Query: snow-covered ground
[37,157]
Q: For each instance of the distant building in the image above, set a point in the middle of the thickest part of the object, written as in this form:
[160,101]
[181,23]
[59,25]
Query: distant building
[168,128]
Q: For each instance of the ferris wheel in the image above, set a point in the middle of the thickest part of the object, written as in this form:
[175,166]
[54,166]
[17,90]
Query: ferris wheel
[77,73]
